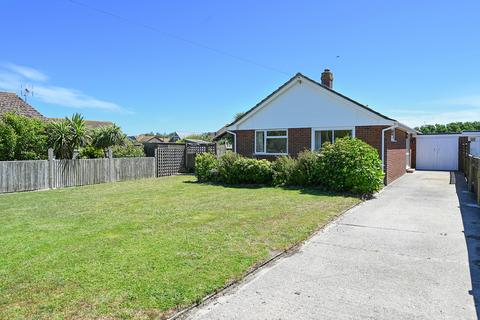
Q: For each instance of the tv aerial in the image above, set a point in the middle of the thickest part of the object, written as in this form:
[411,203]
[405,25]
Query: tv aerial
[26,91]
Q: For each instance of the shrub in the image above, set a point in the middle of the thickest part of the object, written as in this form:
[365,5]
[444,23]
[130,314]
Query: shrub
[307,169]
[22,138]
[284,171]
[206,166]
[350,165]
[226,173]
[128,149]
[246,170]
[90,152]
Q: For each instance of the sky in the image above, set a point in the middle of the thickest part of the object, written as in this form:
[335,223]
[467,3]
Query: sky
[166,66]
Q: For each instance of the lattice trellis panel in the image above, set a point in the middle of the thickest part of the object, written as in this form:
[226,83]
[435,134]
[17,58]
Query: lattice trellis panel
[170,159]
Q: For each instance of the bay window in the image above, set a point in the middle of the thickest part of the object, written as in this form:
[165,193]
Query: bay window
[329,135]
[271,142]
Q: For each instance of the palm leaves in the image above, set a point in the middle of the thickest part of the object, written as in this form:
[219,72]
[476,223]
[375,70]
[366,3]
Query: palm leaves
[67,135]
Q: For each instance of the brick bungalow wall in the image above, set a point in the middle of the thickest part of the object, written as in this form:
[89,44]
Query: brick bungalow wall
[299,139]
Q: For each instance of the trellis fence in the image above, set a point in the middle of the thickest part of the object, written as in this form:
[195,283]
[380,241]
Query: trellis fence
[471,169]
[43,174]
[173,158]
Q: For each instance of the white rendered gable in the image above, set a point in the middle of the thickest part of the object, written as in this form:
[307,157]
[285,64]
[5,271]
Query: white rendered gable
[304,104]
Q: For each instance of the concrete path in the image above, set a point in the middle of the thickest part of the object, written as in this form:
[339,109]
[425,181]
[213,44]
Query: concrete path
[402,255]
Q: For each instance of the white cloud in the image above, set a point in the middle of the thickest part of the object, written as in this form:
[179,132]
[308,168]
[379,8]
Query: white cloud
[27,72]
[13,76]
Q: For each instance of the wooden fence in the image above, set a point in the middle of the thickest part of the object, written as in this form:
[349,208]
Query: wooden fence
[471,168]
[43,174]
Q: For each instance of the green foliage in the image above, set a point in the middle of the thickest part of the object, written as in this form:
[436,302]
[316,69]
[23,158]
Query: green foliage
[238,115]
[350,165]
[107,136]
[206,166]
[284,169]
[226,174]
[128,149]
[307,169]
[22,138]
[91,152]
[252,171]
[453,127]
[66,135]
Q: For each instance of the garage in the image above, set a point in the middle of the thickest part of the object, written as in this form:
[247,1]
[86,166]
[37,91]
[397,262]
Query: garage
[437,152]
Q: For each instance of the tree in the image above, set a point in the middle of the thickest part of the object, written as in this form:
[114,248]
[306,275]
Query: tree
[68,135]
[22,138]
[128,149]
[107,136]
[238,115]
[452,127]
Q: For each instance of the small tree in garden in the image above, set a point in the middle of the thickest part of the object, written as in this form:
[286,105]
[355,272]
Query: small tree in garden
[107,136]
[68,135]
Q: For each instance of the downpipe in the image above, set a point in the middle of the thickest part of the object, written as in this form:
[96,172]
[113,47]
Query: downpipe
[383,143]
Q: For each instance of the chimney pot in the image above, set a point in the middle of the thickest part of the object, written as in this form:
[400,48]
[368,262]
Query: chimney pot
[327,78]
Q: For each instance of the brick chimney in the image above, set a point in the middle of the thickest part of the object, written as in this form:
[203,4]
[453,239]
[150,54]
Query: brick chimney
[327,78]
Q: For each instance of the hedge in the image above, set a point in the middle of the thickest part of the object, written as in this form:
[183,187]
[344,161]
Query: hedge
[348,165]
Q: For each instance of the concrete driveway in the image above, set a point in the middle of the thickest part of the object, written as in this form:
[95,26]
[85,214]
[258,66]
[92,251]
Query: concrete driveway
[402,255]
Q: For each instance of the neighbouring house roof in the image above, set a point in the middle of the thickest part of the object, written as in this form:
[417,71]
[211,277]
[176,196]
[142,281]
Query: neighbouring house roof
[184,134]
[196,141]
[10,102]
[149,139]
[300,76]
[92,124]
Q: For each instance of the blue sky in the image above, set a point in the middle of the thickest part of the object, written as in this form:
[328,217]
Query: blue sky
[191,65]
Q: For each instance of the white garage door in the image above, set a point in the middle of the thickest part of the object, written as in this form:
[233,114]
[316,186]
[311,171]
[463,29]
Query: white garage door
[437,152]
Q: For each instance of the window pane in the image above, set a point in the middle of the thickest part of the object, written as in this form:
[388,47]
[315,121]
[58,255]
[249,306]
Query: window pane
[276,133]
[259,147]
[277,145]
[326,136]
[342,133]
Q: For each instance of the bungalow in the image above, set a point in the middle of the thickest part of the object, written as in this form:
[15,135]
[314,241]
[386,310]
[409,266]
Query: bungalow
[302,114]
[10,102]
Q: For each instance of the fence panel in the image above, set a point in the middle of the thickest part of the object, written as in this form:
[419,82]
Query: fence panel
[23,175]
[43,174]
[170,159]
[471,169]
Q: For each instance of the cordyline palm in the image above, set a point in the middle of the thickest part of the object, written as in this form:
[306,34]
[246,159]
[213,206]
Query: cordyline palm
[67,135]
[107,136]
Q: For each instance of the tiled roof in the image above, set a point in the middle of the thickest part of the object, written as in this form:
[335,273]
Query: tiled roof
[92,124]
[10,102]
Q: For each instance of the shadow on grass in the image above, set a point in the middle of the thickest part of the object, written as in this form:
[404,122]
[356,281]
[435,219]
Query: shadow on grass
[471,229]
[317,191]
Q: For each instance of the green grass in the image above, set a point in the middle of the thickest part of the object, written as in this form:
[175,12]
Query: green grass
[138,249]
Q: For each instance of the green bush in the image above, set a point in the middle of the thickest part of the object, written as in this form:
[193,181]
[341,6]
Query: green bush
[307,170]
[128,149]
[22,138]
[90,152]
[284,169]
[252,171]
[206,167]
[226,172]
[350,165]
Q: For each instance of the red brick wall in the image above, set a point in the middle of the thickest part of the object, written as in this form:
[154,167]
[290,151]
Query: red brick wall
[245,142]
[413,152]
[299,139]
[395,161]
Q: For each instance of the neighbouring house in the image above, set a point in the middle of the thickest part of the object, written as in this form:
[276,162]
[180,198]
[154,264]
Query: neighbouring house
[302,114]
[91,124]
[10,102]
[179,135]
[143,138]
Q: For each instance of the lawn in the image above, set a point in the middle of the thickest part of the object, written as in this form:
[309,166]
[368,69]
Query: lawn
[138,249]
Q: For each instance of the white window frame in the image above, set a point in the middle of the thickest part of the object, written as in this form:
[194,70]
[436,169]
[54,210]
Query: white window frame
[333,133]
[265,142]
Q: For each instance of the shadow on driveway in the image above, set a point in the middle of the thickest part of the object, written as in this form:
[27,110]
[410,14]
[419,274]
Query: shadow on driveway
[471,226]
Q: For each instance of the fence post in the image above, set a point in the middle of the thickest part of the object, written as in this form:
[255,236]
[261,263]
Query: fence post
[155,167]
[470,174]
[51,167]
[111,168]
